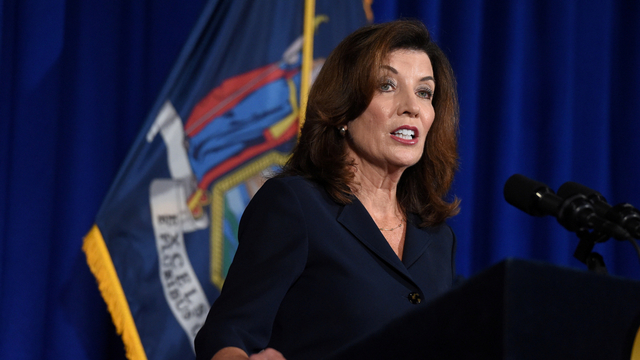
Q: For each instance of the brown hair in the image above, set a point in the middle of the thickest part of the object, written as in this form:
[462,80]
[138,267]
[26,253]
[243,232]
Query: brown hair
[343,90]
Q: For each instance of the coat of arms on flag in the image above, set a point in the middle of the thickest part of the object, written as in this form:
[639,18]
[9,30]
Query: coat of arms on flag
[226,119]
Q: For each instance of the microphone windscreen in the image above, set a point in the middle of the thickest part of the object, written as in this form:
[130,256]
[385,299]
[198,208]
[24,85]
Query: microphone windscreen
[520,191]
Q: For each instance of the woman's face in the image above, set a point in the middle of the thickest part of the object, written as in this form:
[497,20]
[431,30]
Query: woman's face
[390,134]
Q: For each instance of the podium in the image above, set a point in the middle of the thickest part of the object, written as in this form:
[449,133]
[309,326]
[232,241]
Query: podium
[516,310]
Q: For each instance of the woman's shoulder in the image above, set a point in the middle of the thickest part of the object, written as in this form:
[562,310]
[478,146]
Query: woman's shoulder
[290,192]
[294,183]
[289,189]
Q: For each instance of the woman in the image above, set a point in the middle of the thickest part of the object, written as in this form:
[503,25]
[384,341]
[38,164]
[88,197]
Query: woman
[351,234]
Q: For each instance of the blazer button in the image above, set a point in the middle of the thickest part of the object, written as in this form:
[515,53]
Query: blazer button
[414,298]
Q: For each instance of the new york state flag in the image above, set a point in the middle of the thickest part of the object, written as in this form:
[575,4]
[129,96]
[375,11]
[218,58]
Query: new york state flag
[226,118]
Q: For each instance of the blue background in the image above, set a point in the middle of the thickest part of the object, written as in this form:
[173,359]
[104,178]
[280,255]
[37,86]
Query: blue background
[548,88]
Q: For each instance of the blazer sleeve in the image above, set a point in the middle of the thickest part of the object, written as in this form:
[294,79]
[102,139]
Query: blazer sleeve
[271,255]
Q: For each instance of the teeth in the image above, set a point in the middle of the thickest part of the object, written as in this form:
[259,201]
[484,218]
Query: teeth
[404,134]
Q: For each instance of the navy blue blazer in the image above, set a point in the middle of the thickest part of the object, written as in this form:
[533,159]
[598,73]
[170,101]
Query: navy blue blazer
[311,275]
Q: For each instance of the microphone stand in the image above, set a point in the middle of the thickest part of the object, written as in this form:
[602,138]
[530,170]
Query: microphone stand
[624,214]
[584,253]
[577,214]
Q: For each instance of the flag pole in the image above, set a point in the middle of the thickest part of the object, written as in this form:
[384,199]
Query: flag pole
[307,58]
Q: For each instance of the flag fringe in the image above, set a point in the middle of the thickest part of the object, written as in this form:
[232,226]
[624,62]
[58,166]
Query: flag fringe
[101,265]
[635,350]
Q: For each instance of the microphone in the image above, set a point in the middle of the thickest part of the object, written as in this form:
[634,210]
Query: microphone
[625,215]
[530,196]
[574,213]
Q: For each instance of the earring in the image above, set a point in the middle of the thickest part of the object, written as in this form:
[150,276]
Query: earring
[343,130]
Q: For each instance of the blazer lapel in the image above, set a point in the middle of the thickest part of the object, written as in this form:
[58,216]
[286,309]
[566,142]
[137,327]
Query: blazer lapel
[357,220]
[415,242]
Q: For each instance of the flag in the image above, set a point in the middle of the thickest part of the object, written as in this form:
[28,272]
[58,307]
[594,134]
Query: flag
[226,118]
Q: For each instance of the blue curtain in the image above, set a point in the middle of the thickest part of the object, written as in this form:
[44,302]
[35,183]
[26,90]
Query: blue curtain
[77,79]
[548,88]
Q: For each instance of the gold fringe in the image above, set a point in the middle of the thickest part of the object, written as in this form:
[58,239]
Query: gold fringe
[635,351]
[101,265]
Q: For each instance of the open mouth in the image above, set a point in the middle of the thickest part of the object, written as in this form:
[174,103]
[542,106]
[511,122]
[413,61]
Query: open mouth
[405,134]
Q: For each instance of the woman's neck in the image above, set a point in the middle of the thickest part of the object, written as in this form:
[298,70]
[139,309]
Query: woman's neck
[377,193]
[376,190]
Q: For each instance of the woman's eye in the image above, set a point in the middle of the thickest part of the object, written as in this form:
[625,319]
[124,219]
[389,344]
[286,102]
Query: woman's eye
[425,93]
[386,86]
